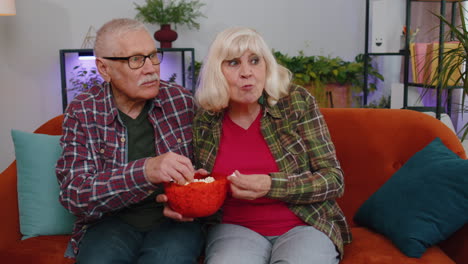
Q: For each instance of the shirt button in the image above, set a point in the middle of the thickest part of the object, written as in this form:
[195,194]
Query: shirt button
[179,140]
[102,151]
[122,139]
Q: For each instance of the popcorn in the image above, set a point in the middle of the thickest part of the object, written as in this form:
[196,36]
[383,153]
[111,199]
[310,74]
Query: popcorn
[205,180]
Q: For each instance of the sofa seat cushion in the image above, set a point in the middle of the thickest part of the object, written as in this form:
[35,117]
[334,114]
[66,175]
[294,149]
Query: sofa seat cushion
[369,247]
[38,250]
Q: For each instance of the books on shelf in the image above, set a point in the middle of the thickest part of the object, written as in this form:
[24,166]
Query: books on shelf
[418,61]
[432,58]
[424,61]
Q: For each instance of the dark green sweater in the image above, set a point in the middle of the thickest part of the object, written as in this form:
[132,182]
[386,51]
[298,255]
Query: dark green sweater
[140,134]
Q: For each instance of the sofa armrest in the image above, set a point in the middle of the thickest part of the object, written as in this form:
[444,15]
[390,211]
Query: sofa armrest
[9,207]
[456,247]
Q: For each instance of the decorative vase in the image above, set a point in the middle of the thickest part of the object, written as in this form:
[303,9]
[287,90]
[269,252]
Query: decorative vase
[165,36]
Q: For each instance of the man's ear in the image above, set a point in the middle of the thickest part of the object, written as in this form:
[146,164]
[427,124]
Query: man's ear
[103,69]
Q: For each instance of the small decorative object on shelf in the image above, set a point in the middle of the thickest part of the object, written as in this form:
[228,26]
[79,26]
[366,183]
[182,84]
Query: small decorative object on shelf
[167,12]
[90,38]
[412,37]
[166,36]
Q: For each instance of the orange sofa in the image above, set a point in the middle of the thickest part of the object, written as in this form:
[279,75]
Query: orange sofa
[371,145]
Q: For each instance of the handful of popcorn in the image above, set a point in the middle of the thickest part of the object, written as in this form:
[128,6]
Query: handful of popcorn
[205,180]
[202,197]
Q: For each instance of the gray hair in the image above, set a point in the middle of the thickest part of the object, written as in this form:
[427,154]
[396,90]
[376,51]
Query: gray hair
[213,91]
[114,28]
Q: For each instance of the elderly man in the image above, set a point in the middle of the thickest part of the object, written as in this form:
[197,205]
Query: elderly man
[120,143]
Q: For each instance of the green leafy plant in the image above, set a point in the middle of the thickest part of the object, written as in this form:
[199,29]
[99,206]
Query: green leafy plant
[181,12]
[383,102]
[172,78]
[315,72]
[451,68]
[83,79]
[197,66]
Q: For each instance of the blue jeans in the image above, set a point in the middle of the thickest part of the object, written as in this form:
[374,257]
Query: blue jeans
[114,241]
[234,244]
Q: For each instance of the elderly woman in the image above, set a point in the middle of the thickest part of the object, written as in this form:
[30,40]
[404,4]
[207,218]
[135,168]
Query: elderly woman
[269,136]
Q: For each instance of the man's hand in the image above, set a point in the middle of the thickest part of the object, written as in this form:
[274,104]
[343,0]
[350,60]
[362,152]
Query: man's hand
[169,167]
[249,186]
[168,212]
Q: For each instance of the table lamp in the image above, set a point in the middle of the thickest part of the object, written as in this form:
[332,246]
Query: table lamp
[7,8]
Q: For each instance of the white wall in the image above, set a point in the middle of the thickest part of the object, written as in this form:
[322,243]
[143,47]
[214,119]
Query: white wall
[31,40]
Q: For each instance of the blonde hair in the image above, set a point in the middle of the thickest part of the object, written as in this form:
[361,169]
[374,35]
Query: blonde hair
[114,28]
[212,92]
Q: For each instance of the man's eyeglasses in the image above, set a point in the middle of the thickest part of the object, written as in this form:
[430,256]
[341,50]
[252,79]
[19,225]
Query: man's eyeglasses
[137,61]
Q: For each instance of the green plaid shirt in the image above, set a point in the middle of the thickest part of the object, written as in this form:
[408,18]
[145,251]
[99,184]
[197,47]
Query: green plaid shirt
[310,176]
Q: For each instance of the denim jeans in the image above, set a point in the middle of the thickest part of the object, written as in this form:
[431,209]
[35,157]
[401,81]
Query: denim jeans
[234,244]
[115,242]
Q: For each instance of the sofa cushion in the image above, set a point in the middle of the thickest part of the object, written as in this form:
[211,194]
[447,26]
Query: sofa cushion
[423,203]
[40,212]
[373,248]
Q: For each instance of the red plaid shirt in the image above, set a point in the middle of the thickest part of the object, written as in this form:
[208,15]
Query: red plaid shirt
[94,173]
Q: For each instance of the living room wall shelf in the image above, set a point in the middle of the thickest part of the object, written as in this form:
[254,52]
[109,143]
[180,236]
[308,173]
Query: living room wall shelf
[78,69]
[406,54]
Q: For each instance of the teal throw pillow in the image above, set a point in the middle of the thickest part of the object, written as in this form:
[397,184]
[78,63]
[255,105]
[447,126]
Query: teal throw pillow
[423,203]
[40,212]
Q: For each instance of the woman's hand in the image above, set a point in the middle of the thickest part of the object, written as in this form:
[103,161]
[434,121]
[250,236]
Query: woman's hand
[249,186]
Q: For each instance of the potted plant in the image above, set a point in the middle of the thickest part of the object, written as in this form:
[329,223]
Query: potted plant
[192,74]
[333,81]
[451,68]
[169,12]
